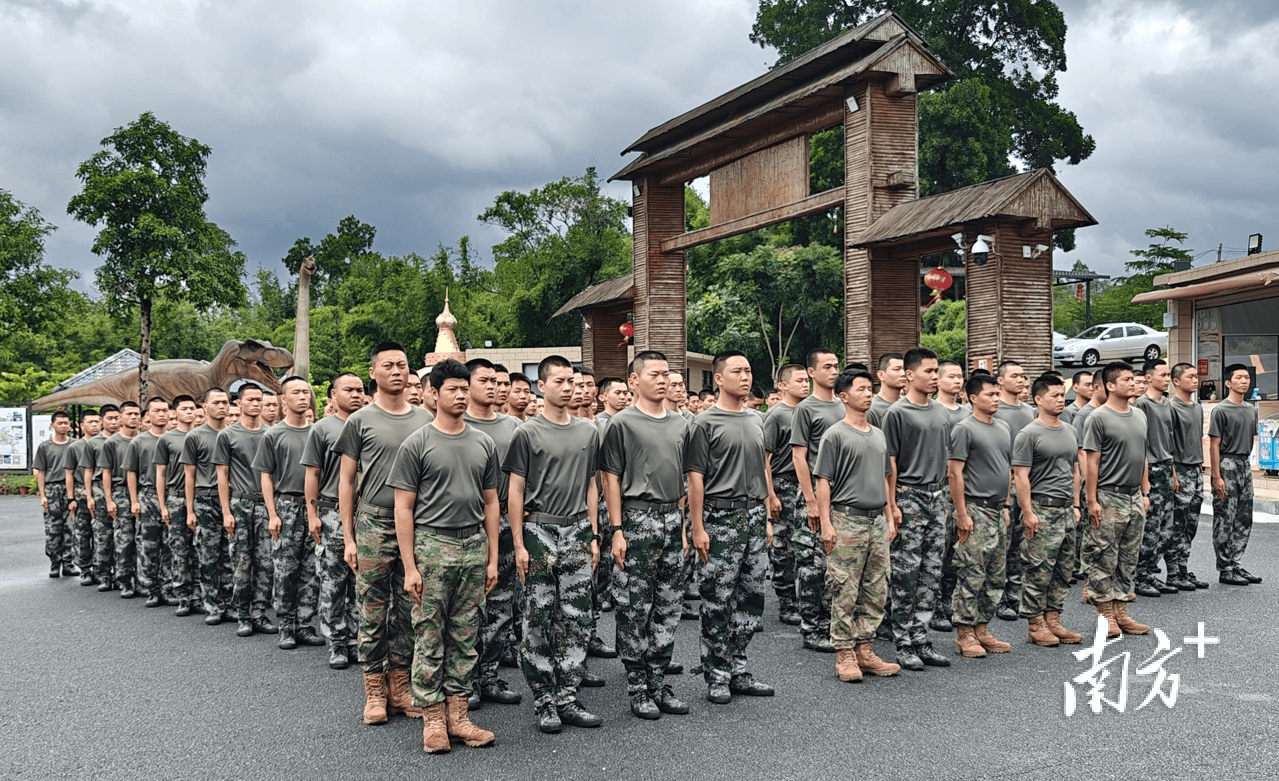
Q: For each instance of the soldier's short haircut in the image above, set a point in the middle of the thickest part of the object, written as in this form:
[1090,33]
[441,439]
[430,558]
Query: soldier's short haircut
[106,409]
[449,370]
[916,356]
[978,382]
[179,400]
[1004,366]
[608,382]
[583,370]
[246,387]
[814,355]
[721,359]
[1097,377]
[1179,370]
[888,358]
[500,369]
[946,364]
[1054,373]
[59,414]
[475,364]
[1080,375]
[641,358]
[156,400]
[124,405]
[1149,366]
[386,347]
[1137,371]
[333,382]
[757,392]
[1041,385]
[90,413]
[210,392]
[268,392]
[708,393]
[1229,373]
[1112,371]
[845,379]
[521,377]
[784,373]
[284,383]
[552,362]
[370,387]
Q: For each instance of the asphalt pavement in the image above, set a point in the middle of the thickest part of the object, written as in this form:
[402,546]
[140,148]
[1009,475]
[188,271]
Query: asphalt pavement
[96,687]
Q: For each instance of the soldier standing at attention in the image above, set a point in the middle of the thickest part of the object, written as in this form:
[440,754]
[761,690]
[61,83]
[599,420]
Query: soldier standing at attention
[282,476]
[1118,487]
[1015,412]
[96,492]
[1230,434]
[642,471]
[521,394]
[614,394]
[80,511]
[119,508]
[616,397]
[1188,481]
[852,491]
[1045,455]
[339,611]
[139,465]
[892,384]
[1154,540]
[444,478]
[368,444]
[413,388]
[950,383]
[553,506]
[51,484]
[205,509]
[1082,384]
[498,607]
[244,515]
[170,494]
[784,494]
[727,485]
[811,419]
[917,432]
[270,408]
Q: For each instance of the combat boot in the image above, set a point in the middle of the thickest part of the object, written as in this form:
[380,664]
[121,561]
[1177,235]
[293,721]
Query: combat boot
[1037,633]
[868,662]
[288,640]
[1125,621]
[1107,611]
[1053,619]
[966,642]
[989,641]
[787,613]
[435,734]
[374,698]
[846,666]
[400,699]
[460,727]
[819,642]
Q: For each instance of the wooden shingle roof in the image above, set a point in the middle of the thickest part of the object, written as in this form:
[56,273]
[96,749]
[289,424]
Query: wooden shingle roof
[609,291]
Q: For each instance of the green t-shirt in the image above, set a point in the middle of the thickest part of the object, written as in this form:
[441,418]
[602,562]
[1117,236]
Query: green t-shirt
[197,451]
[49,458]
[647,454]
[557,464]
[777,428]
[236,447]
[1017,416]
[448,473]
[856,464]
[1187,432]
[372,436]
[501,428]
[727,449]
[280,455]
[113,455]
[919,438]
[320,452]
[983,447]
[1051,454]
[1235,425]
[810,420]
[1158,427]
[140,458]
[1120,437]
[168,451]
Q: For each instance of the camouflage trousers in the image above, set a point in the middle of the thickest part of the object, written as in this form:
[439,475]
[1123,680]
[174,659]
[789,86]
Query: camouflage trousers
[103,538]
[339,610]
[979,567]
[182,544]
[1158,530]
[82,526]
[297,583]
[213,551]
[1232,516]
[857,573]
[1014,565]
[151,542]
[499,606]
[386,611]
[557,610]
[812,595]
[1049,560]
[1079,530]
[446,623]
[58,541]
[648,593]
[1110,550]
[732,588]
[1187,503]
[916,556]
[251,563]
[781,554]
[949,574]
[126,537]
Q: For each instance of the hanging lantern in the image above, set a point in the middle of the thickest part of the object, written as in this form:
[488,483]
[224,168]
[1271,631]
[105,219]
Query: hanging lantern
[627,329]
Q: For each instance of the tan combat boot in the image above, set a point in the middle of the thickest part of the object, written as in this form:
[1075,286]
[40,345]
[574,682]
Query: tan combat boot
[966,642]
[990,642]
[846,666]
[374,698]
[868,662]
[1053,619]
[435,734]
[460,726]
[1037,633]
[401,699]
[1126,622]
[1107,611]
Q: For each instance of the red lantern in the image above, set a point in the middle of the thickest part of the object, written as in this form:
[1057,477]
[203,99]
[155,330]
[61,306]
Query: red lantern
[939,279]
[627,329]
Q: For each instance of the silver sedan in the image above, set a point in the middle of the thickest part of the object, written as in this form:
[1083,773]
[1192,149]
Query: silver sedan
[1111,342]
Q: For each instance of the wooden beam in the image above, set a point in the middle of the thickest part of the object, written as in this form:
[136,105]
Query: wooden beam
[901,84]
[810,205]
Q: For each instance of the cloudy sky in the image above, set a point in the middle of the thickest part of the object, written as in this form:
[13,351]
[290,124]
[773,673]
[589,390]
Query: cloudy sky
[413,115]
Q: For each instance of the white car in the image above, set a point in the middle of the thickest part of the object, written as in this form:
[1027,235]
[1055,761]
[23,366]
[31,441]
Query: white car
[1112,342]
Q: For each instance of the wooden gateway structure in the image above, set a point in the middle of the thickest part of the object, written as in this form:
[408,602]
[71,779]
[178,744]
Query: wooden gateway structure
[752,142]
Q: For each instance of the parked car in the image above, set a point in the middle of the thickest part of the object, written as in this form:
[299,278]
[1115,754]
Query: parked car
[1112,342]
[1058,338]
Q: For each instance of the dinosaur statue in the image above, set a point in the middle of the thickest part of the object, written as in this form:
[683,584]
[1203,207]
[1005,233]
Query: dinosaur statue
[302,330]
[250,360]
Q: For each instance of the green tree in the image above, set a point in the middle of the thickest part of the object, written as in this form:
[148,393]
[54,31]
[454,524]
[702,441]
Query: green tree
[146,190]
[1161,257]
[34,296]
[945,330]
[333,255]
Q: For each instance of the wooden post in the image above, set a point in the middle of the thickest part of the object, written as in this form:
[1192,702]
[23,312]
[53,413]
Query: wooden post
[1009,303]
[657,215]
[603,346]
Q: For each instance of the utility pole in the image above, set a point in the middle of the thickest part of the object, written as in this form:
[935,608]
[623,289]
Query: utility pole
[1219,253]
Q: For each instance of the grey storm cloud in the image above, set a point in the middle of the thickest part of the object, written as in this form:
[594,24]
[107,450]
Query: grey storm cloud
[414,115]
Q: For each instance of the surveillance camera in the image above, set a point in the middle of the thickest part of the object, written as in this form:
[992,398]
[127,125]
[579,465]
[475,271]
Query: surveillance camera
[981,250]
[958,238]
